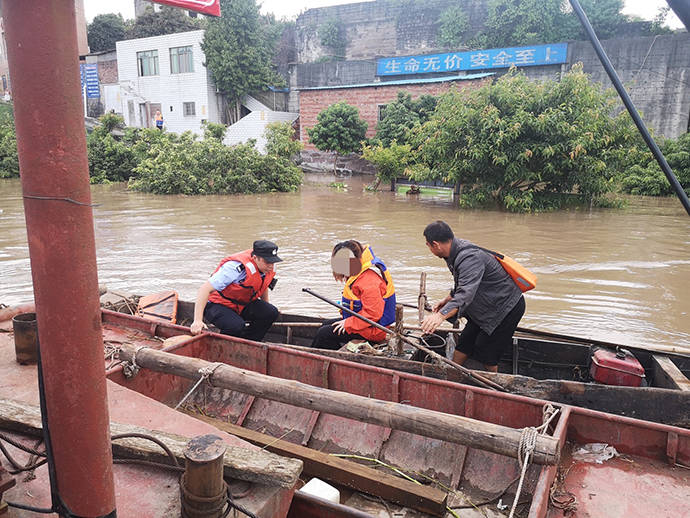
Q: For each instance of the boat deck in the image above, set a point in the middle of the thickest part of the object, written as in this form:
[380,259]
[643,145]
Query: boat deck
[140,491]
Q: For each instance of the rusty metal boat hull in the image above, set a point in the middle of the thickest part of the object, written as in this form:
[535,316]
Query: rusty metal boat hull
[652,458]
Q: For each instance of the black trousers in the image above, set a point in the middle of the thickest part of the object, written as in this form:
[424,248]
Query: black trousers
[326,339]
[488,349]
[259,314]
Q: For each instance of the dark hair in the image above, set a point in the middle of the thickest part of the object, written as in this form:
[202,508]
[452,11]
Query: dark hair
[353,245]
[438,231]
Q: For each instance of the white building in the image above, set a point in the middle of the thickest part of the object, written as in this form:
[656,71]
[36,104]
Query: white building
[165,73]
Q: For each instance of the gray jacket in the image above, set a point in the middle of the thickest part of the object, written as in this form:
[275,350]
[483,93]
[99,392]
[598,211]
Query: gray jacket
[482,291]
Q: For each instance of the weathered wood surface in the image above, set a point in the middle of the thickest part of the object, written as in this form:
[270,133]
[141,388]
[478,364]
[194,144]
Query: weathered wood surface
[344,472]
[202,484]
[437,425]
[648,403]
[667,375]
[243,464]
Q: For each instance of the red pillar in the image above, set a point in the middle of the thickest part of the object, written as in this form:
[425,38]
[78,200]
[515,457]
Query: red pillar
[43,58]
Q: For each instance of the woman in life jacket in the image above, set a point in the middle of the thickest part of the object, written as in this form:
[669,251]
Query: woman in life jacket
[368,290]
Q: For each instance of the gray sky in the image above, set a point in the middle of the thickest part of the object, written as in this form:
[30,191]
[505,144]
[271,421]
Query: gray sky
[291,8]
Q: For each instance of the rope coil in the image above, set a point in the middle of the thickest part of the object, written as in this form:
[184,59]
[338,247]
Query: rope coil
[131,369]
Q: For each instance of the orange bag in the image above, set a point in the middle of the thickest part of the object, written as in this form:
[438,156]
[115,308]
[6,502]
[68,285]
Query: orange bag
[524,279]
[161,307]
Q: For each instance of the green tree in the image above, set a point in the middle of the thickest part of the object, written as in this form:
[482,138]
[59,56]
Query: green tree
[104,31]
[338,129]
[239,48]
[527,145]
[332,36]
[9,159]
[647,178]
[110,159]
[453,24]
[169,20]
[390,161]
[525,22]
[280,140]
[403,114]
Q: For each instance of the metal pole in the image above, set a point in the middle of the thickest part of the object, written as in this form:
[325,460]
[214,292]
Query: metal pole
[480,380]
[627,101]
[51,141]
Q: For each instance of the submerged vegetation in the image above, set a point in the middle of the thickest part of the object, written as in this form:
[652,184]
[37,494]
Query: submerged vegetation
[526,146]
[165,163]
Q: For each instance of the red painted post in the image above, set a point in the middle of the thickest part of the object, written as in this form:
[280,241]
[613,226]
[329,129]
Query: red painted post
[44,67]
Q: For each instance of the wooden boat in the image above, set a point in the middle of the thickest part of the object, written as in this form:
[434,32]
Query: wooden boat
[476,472]
[541,365]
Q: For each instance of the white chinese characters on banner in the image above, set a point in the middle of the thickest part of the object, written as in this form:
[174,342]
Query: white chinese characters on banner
[533,55]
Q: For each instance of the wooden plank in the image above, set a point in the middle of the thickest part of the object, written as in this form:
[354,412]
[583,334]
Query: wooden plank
[244,464]
[667,375]
[343,471]
[428,423]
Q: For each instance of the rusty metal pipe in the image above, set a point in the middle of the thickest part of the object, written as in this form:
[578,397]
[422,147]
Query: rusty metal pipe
[51,140]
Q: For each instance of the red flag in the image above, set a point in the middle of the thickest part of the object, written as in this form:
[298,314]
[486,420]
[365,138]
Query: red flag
[211,7]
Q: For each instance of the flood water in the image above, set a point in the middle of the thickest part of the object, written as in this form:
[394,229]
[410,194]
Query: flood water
[620,275]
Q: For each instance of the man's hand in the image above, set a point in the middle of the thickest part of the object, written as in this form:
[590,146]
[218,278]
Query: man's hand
[431,322]
[339,327]
[197,327]
[437,307]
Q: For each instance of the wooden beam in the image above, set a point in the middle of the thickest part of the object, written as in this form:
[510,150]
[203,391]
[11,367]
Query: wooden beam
[420,421]
[344,472]
[244,464]
[667,375]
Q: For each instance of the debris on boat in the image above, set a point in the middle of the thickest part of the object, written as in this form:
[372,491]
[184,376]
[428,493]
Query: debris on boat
[596,452]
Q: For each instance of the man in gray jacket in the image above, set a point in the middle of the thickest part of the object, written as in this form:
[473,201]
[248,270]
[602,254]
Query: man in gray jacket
[482,292]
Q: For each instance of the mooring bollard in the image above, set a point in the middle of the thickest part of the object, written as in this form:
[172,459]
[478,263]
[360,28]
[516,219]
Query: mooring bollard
[202,489]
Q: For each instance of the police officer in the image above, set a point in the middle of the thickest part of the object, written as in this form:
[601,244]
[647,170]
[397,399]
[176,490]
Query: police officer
[236,294]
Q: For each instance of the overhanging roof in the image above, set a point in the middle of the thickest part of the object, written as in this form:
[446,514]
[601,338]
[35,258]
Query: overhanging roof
[400,82]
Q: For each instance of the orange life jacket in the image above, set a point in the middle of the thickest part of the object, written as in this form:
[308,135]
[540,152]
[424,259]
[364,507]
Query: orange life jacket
[237,295]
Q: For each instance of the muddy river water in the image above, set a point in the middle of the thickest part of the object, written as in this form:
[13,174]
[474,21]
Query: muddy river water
[620,275]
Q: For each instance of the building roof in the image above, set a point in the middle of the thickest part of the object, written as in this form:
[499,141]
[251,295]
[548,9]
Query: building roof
[404,82]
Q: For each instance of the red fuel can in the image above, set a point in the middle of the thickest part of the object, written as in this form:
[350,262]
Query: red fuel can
[616,368]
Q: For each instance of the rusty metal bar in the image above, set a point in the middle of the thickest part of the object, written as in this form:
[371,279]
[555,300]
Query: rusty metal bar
[51,140]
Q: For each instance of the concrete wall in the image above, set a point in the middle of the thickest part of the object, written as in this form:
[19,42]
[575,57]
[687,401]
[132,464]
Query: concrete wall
[655,71]
[170,90]
[367,100]
[381,28]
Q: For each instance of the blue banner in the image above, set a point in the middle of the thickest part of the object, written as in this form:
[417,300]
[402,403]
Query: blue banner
[533,55]
[89,76]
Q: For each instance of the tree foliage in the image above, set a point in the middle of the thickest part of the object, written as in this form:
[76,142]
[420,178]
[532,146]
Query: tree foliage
[453,25]
[9,159]
[280,140]
[169,20]
[390,160]
[527,145]
[647,178]
[338,129]
[161,162]
[403,114]
[239,48]
[332,36]
[104,31]
[524,22]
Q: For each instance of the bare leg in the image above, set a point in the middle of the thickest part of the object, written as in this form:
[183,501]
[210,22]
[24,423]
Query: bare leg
[459,357]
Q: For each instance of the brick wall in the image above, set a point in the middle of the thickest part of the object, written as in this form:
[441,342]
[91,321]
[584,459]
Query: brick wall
[107,72]
[367,100]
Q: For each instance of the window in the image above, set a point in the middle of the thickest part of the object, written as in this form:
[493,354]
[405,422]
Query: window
[181,60]
[147,63]
[382,111]
[188,109]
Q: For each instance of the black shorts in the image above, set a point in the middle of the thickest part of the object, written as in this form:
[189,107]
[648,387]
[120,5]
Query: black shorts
[488,348]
